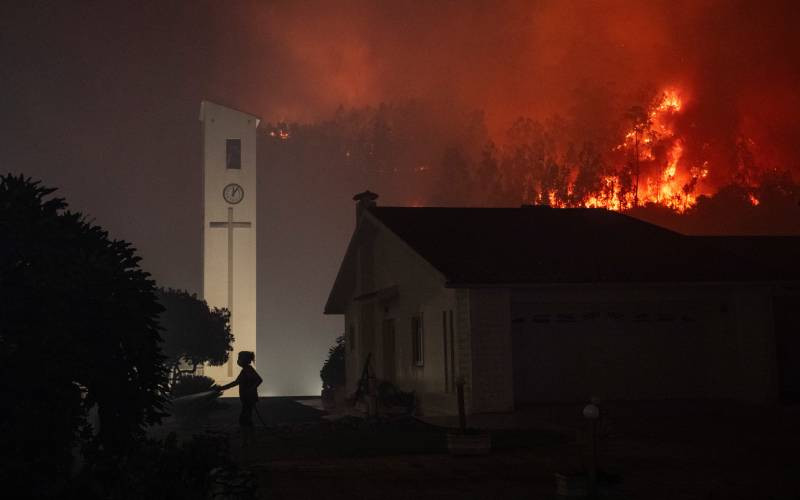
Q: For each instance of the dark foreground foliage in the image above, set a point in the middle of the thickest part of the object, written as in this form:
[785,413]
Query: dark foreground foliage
[165,469]
[78,330]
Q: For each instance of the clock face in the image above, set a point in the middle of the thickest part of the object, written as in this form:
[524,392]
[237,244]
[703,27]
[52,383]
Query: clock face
[233,193]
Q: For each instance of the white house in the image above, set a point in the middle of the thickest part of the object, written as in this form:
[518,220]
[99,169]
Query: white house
[535,305]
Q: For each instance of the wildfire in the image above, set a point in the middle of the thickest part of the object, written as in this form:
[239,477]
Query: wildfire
[670,101]
[659,178]
[610,196]
[280,134]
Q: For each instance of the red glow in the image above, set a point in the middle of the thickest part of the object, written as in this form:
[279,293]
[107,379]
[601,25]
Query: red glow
[670,181]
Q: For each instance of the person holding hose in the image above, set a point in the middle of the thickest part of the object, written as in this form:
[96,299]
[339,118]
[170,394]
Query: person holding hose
[248,382]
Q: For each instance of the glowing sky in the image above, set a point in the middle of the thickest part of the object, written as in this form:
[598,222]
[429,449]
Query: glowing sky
[101,100]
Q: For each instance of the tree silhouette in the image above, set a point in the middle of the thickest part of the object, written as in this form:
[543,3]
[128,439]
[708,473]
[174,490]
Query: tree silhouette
[453,182]
[78,328]
[193,332]
[640,122]
[487,178]
[590,167]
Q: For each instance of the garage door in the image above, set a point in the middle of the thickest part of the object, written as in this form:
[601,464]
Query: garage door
[571,352]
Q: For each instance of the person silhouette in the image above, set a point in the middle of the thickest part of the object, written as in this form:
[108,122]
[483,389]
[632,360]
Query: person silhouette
[248,382]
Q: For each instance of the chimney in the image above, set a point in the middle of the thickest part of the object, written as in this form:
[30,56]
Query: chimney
[364,201]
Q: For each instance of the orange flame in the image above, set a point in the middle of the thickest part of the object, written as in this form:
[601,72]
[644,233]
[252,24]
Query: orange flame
[677,183]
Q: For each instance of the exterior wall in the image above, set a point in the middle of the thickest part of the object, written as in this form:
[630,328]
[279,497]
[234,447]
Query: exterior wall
[464,343]
[491,374]
[219,124]
[388,262]
[351,343]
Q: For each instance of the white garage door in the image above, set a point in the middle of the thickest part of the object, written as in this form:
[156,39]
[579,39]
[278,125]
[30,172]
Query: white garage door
[573,351]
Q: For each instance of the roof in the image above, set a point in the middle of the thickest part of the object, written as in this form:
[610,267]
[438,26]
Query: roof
[542,245]
[206,106]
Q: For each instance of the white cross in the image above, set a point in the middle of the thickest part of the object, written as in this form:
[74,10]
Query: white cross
[230,225]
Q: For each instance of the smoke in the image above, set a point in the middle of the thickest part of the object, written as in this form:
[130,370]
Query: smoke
[102,103]
[459,73]
[735,62]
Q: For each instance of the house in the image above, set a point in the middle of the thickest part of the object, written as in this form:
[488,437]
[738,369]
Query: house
[539,305]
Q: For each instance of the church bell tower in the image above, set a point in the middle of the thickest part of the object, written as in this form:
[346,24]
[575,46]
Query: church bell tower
[229,226]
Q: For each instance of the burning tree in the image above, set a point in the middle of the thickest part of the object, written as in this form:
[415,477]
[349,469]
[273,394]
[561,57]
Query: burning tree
[651,165]
[654,156]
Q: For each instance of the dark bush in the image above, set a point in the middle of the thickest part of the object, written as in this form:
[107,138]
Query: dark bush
[390,395]
[193,332]
[78,330]
[192,384]
[333,371]
[165,469]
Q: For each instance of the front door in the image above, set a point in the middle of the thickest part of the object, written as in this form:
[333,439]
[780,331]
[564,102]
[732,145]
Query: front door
[388,350]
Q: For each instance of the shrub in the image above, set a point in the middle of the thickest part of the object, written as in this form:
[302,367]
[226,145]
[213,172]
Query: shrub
[160,469]
[193,332]
[390,395]
[333,371]
[192,384]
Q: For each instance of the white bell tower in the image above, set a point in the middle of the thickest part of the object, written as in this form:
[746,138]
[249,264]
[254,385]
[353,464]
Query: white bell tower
[229,226]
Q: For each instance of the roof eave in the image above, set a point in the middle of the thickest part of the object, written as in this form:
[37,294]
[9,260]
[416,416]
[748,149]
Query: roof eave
[549,284]
[204,103]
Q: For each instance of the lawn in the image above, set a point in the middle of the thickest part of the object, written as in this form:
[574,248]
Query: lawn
[669,451]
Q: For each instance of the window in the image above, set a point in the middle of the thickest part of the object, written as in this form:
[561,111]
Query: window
[417,341]
[233,153]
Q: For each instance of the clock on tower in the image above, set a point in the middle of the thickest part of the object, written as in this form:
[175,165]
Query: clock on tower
[233,193]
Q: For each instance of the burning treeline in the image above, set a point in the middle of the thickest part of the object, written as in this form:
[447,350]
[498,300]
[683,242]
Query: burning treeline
[664,107]
[649,164]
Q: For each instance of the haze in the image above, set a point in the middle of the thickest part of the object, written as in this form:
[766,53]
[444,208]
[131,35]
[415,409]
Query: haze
[101,101]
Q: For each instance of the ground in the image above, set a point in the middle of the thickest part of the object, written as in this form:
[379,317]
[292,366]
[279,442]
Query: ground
[666,450]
